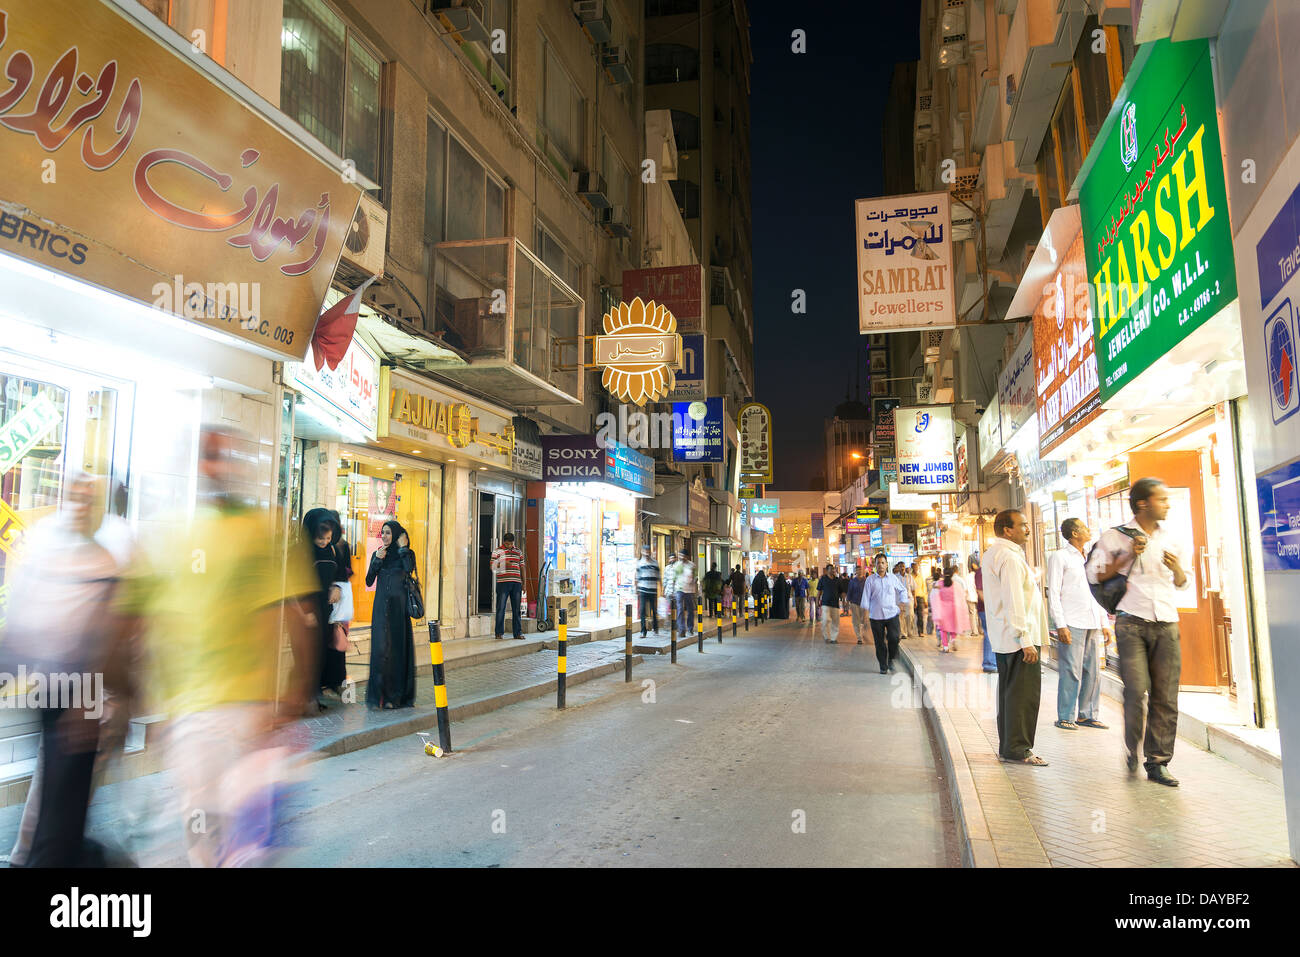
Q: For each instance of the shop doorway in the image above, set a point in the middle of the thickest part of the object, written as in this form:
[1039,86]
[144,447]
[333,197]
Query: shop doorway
[487,511]
[1202,621]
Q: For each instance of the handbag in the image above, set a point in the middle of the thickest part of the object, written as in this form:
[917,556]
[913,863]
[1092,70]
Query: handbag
[342,610]
[414,597]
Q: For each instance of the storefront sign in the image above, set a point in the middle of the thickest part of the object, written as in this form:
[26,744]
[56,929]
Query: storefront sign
[882,434]
[990,433]
[1016,400]
[1279,517]
[21,433]
[697,430]
[351,391]
[877,537]
[927,540]
[639,350]
[817,525]
[904,263]
[900,553]
[909,516]
[926,460]
[688,381]
[748,491]
[755,423]
[201,207]
[963,464]
[1157,238]
[1036,473]
[680,289]
[867,514]
[418,411]
[888,469]
[1065,362]
[765,506]
[580,458]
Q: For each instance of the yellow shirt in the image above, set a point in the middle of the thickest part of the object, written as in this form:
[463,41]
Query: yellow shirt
[211,594]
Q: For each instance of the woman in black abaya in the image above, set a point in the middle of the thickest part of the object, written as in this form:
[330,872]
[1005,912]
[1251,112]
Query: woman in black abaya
[392,641]
[781,597]
[323,534]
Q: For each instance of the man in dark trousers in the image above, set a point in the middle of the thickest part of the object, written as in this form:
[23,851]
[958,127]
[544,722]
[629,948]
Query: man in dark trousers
[1017,631]
[508,563]
[1146,626]
[647,588]
[738,589]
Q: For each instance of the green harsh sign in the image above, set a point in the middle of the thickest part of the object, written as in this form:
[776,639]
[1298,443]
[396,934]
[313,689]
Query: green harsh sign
[1157,237]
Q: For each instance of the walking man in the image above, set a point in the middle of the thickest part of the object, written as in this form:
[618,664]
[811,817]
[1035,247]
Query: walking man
[1017,629]
[684,588]
[508,563]
[907,624]
[1146,625]
[884,598]
[647,588]
[858,613]
[1079,624]
[828,592]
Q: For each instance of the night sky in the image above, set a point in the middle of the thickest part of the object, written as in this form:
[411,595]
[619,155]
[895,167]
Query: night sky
[816,148]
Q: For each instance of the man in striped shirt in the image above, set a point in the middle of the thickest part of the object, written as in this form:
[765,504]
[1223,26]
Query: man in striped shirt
[647,588]
[508,563]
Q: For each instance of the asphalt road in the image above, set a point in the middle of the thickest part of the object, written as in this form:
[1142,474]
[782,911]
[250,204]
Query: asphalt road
[774,749]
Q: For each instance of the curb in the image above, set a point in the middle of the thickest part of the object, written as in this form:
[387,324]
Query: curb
[968,812]
[425,719]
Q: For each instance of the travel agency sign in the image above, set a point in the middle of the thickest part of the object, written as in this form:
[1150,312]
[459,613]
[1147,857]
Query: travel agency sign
[905,263]
[1157,238]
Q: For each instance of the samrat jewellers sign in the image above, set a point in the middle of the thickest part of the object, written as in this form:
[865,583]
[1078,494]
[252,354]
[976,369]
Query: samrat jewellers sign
[905,263]
[127,167]
[1065,362]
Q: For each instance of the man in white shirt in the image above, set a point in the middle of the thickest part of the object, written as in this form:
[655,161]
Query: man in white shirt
[1017,626]
[1079,622]
[1146,625]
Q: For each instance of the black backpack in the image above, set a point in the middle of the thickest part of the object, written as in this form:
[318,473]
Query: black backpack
[1109,593]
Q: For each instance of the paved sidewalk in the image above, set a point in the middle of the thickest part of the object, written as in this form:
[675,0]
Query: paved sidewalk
[1084,810]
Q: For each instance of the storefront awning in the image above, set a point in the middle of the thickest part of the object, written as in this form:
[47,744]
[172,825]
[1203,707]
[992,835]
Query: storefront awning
[406,343]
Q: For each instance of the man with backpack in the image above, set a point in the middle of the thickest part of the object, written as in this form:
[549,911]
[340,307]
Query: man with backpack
[1136,571]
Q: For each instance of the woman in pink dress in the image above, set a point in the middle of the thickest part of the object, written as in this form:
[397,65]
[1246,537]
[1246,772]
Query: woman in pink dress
[950,616]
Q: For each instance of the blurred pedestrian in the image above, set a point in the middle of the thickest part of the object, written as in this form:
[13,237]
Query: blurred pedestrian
[800,589]
[342,613]
[856,611]
[684,587]
[322,532]
[990,663]
[647,589]
[392,640]
[712,587]
[760,590]
[949,602]
[828,593]
[781,598]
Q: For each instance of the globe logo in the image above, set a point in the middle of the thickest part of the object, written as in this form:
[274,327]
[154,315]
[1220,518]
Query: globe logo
[1280,346]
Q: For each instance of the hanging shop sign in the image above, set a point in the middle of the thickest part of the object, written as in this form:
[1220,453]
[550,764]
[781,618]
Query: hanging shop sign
[904,263]
[417,411]
[907,516]
[888,469]
[755,423]
[900,553]
[213,214]
[990,433]
[877,537]
[1065,362]
[680,289]
[765,506]
[817,525]
[764,523]
[927,540]
[926,458]
[688,381]
[639,351]
[1036,473]
[21,433]
[963,464]
[349,393]
[854,527]
[581,458]
[748,490]
[698,430]
[1154,206]
[1016,400]
[882,434]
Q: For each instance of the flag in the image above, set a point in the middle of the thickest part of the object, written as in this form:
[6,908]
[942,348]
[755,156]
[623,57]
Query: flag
[335,327]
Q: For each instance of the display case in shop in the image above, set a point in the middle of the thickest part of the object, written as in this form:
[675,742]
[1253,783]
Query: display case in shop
[617,565]
[574,545]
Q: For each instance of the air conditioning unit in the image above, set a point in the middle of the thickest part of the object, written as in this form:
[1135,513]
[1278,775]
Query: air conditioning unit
[615,221]
[594,19]
[367,237]
[463,19]
[617,63]
[924,393]
[925,126]
[591,187]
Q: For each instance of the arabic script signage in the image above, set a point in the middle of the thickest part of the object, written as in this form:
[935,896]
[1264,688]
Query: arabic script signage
[418,411]
[1065,363]
[639,351]
[755,422]
[1016,388]
[169,190]
[1157,238]
[925,443]
[905,263]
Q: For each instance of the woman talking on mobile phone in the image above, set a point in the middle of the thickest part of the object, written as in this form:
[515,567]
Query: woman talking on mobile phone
[392,641]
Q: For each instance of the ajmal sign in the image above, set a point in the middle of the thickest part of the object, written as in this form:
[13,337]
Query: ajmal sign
[639,351]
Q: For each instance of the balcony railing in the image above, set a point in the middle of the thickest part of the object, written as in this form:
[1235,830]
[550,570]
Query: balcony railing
[515,318]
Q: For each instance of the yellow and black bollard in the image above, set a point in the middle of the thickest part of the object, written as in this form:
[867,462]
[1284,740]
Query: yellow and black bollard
[627,645]
[440,686]
[717,618]
[744,611]
[699,625]
[562,665]
[733,618]
[672,611]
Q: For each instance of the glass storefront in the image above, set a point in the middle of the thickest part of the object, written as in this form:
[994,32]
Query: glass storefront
[373,490]
[591,545]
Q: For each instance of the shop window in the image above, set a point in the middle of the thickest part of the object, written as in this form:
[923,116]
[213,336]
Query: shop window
[616,174]
[558,259]
[687,195]
[1092,76]
[329,82]
[561,113]
[1065,130]
[671,63]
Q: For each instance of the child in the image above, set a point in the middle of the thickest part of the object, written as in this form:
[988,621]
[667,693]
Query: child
[949,602]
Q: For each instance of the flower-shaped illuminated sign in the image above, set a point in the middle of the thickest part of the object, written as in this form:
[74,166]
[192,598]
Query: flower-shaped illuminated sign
[639,351]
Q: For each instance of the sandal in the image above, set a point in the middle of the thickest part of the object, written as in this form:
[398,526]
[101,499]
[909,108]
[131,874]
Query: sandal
[1068,725]
[1092,723]
[1035,760]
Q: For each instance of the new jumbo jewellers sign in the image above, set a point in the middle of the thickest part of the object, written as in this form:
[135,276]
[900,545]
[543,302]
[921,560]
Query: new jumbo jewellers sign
[1157,238]
[127,167]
